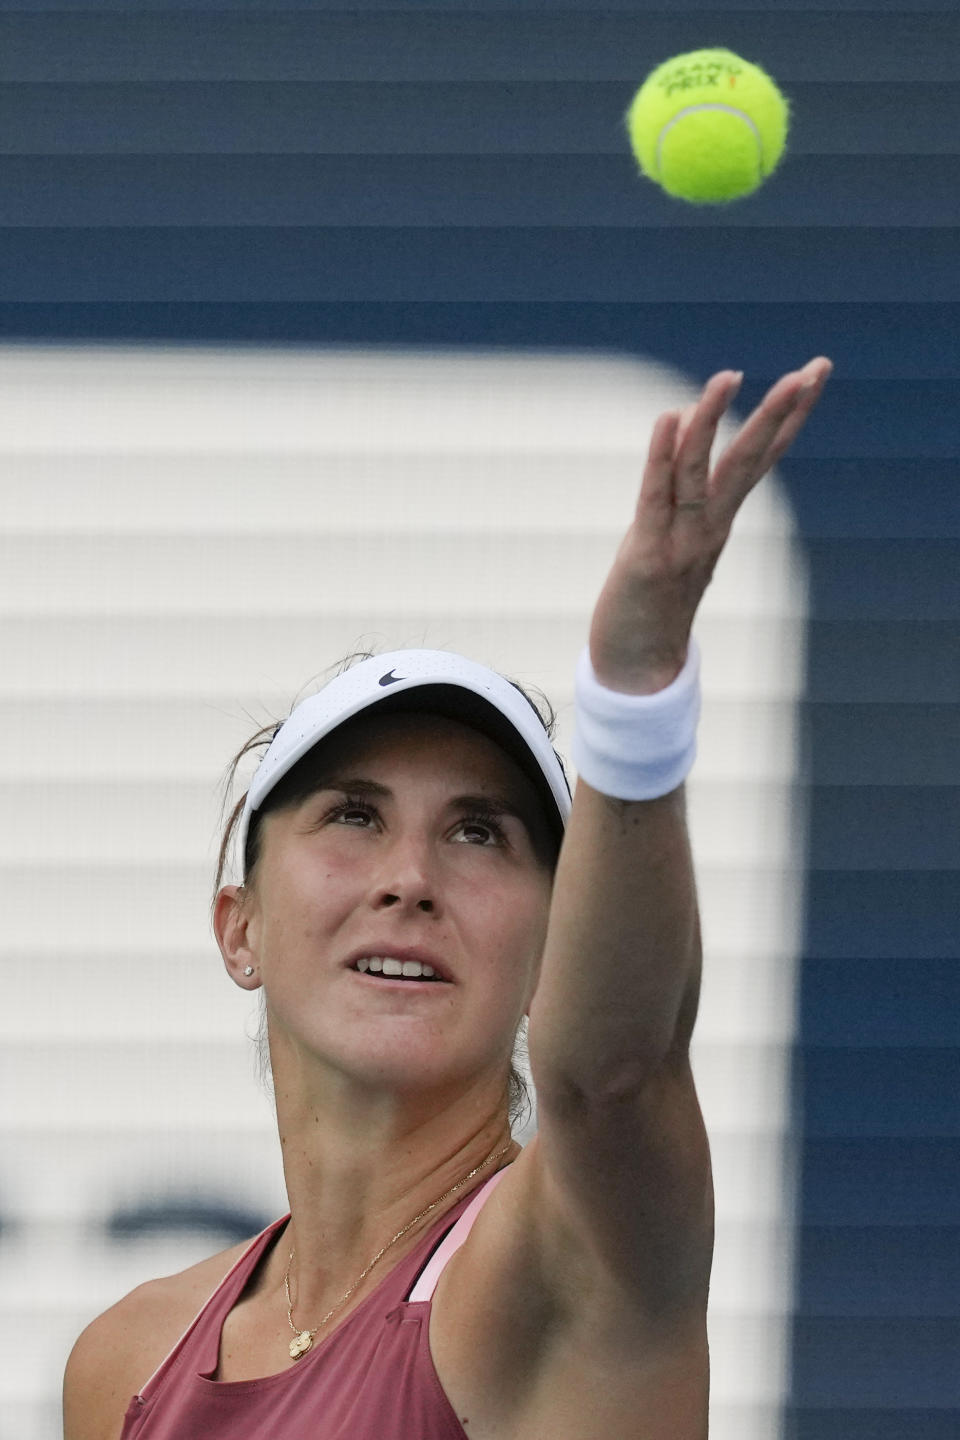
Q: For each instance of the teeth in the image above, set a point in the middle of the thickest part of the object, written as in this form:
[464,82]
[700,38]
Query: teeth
[388,965]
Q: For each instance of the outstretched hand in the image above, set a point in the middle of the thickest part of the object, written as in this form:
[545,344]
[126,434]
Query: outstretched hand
[641,624]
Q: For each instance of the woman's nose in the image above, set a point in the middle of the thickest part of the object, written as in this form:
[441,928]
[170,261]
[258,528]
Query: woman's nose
[407,877]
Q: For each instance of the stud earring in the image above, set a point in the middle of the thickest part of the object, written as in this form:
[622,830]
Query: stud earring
[249,970]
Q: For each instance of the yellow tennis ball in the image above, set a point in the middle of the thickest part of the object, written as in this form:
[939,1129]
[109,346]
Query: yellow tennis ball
[708,126]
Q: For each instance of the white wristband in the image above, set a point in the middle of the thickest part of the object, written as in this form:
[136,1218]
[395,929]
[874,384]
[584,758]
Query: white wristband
[636,747]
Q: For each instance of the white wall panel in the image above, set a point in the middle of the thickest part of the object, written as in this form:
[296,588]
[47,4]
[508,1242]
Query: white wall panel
[224,493]
[405,573]
[56,740]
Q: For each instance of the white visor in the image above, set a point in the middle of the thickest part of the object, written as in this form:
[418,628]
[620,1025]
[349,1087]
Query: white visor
[459,688]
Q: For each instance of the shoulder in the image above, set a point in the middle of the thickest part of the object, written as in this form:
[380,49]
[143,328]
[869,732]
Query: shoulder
[118,1351]
[608,1211]
[597,1246]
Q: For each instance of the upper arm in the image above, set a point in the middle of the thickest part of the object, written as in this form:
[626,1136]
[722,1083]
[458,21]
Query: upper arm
[98,1381]
[626,1198]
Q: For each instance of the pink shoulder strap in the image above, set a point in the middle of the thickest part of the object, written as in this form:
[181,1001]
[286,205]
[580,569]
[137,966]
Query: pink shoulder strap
[425,1286]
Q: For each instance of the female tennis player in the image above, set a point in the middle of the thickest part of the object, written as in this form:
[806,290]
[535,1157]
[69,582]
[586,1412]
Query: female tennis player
[415,881]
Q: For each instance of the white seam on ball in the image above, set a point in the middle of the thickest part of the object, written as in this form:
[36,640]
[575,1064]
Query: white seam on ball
[692,110]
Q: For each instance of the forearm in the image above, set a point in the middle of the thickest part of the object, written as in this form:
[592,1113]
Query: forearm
[619,982]
[620,976]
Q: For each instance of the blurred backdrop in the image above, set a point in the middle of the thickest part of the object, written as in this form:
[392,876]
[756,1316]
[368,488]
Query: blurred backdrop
[334,329]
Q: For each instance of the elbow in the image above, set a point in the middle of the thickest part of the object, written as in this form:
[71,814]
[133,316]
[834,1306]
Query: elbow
[572,1087]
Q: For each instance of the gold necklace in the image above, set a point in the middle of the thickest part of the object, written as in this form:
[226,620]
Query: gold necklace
[304,1338]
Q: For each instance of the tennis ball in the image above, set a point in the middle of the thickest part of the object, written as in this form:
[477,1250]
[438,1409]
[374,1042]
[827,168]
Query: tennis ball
[708,127]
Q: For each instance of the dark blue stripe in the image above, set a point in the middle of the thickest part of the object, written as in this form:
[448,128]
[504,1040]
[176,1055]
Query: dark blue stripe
[857,1360]
[518,191]
[533,7]
[886,913]
[869,1093]
[918,419]
[867,342]
[502,44]
[520,117]
[898,1002]
[811,1423]
[877,1271]
[884,827]
[412,265]
[871,499]
[884,579]
[881,744]
[889,661]
[880,1182]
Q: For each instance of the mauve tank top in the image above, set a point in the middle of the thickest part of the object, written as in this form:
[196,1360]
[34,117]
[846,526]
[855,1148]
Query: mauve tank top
[372,1378]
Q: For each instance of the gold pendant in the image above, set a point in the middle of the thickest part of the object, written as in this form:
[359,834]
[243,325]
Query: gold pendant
[300,1345]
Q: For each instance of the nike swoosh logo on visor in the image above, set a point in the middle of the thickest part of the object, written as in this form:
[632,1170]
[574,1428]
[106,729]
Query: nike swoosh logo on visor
[390,678]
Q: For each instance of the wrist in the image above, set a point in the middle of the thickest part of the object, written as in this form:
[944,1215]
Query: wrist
[636,746]
[654,675]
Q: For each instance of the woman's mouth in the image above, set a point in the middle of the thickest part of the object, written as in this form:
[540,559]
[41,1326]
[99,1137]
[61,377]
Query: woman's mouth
[388,972]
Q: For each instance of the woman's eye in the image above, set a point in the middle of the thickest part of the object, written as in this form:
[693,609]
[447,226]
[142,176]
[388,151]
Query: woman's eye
[488,830]
[485,827]
[351,807]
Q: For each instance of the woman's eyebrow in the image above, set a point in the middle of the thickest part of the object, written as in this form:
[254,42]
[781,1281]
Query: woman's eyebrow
[351,782]
[497,803]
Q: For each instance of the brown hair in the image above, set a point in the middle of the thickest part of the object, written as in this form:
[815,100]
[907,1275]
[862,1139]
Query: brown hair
[518,1095]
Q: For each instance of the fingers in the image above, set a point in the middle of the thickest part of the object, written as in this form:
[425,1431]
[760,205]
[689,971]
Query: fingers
[656,492]
[806,398]
[699,423]
[686,415]
[678,460]
[768,433]
[677,479]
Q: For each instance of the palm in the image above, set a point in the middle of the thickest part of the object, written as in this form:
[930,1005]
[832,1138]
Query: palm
[641,624]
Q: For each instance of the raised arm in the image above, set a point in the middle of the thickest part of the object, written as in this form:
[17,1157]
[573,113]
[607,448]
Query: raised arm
[621,1191]
[619,985]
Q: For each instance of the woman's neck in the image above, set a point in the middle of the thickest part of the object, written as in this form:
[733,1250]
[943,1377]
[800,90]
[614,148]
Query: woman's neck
[352,1189]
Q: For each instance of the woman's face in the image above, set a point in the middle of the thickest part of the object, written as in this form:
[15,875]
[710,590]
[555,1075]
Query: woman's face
[351,869]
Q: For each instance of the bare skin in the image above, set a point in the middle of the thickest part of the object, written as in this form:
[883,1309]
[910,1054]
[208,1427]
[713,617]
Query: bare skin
[384,1100]
[598,1243]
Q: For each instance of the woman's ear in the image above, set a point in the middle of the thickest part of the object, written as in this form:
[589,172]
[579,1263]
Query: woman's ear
[231,922]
